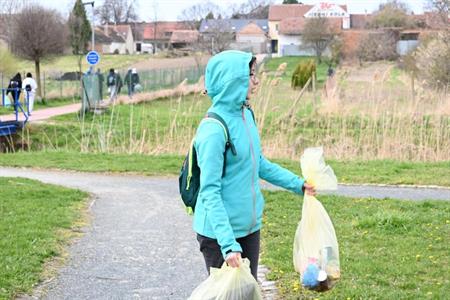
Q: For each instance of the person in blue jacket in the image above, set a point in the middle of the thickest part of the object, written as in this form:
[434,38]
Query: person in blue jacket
[229,209]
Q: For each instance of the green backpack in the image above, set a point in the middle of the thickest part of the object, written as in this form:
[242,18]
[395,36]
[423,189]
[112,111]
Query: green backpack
[189,180]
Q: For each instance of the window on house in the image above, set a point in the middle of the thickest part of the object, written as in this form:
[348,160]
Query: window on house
[276,27]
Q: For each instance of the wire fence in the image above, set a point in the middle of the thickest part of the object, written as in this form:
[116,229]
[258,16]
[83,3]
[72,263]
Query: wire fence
[67,84]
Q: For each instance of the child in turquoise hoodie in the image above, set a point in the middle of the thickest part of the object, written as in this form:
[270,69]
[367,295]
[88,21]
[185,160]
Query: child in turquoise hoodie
[229,209]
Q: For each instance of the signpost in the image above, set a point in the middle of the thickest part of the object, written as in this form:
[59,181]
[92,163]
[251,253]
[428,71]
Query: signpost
[92,57]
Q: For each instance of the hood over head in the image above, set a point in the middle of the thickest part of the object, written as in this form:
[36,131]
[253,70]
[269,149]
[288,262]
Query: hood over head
[226,80]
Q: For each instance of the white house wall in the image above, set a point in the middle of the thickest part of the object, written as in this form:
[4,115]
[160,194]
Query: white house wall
[248,38]
[292,45]
[121,47]
[273,30]
[130,42]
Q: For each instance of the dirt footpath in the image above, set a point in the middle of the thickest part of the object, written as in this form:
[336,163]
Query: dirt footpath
[167,63]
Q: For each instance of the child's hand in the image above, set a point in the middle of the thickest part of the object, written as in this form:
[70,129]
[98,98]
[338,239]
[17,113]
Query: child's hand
[309,189]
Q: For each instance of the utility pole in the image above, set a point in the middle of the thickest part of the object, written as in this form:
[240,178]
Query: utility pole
[92,24]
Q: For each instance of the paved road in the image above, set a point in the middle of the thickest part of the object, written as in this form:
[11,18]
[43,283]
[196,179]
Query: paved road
[45,113]
[140,244]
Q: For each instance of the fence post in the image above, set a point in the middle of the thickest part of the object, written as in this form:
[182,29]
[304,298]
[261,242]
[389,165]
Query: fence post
[314,81]
[43,90]
[60,87]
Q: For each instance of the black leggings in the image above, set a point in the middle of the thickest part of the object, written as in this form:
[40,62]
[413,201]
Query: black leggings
[213,256]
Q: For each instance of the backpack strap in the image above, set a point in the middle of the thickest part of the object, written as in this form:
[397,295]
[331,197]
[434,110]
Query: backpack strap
[228,144]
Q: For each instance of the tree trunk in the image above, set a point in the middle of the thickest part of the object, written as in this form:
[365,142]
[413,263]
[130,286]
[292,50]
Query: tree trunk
[37,68]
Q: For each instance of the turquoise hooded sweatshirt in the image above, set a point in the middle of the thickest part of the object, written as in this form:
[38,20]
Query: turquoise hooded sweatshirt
[231,207]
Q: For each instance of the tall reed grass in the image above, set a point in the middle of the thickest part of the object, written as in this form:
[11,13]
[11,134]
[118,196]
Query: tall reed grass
[351,120]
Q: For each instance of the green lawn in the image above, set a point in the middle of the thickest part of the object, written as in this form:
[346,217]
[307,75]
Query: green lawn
[35,222]
[69,63]
[376,171]
[389,249]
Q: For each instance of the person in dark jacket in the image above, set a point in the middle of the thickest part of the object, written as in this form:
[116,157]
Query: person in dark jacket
[112,83]
[14,87]
[101,80]
[119,81]
[131,80]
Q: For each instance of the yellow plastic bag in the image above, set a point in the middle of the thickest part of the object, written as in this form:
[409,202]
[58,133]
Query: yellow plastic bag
[316,251]
[228,283]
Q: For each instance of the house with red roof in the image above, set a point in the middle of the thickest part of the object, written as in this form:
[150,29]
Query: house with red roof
[114,39]
[159,34]
[286,23]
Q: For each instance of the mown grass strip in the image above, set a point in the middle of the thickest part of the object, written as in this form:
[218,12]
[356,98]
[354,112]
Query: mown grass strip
[35,221]
[389,249]
[376,171]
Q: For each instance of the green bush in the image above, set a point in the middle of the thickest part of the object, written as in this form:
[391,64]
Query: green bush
[302,73]
[8,65]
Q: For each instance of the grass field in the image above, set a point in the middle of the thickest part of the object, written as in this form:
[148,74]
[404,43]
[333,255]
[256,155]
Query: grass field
[69,63]
[35,223]
[371,131]
[389,249]
[375,171]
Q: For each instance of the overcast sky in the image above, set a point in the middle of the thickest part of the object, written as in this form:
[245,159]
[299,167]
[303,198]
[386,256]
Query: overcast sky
[169,10]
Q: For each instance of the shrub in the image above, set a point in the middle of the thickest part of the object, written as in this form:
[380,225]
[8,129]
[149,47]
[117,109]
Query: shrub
[433,60]
[302,73]
[8,65]
[378,46]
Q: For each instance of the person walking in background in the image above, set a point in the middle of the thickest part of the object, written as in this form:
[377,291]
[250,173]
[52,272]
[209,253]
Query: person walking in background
[111,83]
[134,79]
[29,87]
[127,82]
[101,80]
[14,87]
[119,81]
[131,80]
[229,208]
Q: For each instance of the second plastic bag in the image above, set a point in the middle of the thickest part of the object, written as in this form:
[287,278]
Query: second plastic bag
[228,283]
[316,251]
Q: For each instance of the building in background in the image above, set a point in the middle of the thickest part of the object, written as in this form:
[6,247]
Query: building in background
[240,34]
[286,23]
[114,39]
[184,39]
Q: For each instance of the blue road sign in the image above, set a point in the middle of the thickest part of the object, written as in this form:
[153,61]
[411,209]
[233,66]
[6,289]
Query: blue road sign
[92,57]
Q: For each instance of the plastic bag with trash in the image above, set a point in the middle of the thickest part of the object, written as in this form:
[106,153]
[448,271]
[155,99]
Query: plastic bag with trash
[316,252]
[228,283]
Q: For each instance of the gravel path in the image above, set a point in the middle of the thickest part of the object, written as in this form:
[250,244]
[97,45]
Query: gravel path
[45,113]
[140,244]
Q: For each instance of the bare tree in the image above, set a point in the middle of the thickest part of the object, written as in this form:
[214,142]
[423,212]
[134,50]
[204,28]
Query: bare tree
[218,36]
[196,13]
[391,14]
[318,33]
[117,11]
[8,11]
[38,33]
[251,5]
[442,7]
